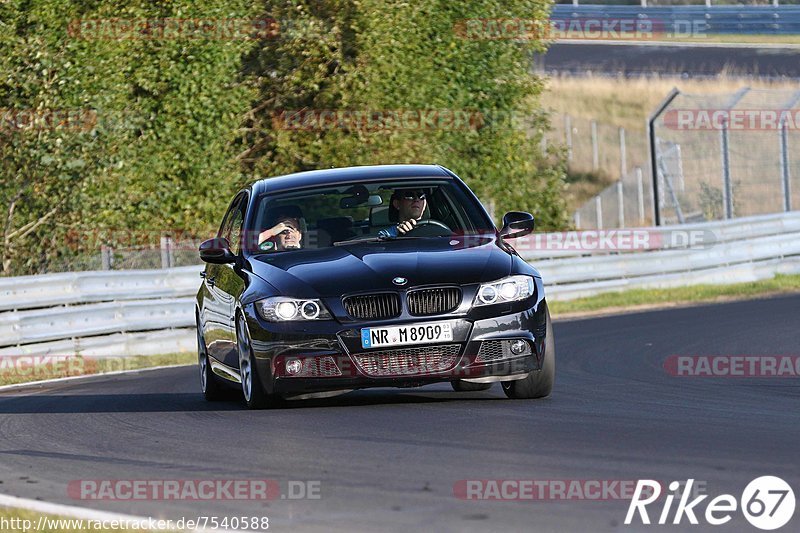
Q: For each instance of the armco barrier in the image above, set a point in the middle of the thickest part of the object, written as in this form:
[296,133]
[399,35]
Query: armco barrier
[142,312]
[30,292]
[679,19]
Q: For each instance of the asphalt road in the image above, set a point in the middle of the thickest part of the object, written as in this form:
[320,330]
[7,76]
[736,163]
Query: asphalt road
[388,459]
[639,60]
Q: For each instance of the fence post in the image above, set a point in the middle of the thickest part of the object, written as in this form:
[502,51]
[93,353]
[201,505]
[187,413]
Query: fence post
[623,154]
[785,171]
[105,257]
[167,255]
[652,142]
[727,191]
[620,204]
[640,193]
[598,205]
[568,134]
[595,148]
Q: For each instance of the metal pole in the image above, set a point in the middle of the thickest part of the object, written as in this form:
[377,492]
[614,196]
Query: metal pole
[640,193]
[651,139]
[543,144]
[595,148]
[620,204]
[568,133]
[105,257]
[577,220]
[598,205]
[727,191]
[167,259]
[727,187]
[785,171]
[623,154]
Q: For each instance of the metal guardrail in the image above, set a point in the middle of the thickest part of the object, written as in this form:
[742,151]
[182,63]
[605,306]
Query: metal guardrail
[30,292]
[670,237]
[781,20]
[21,327]
[127,313]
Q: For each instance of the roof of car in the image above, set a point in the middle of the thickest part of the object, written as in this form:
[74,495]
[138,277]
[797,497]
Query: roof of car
[340,175]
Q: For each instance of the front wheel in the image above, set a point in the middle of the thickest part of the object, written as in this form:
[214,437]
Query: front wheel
[538,383]
[255,397]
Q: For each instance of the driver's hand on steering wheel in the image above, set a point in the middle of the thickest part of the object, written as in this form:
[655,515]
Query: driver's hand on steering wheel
[406,226]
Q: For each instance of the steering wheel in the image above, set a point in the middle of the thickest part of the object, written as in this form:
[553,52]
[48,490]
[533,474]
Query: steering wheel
[430,224]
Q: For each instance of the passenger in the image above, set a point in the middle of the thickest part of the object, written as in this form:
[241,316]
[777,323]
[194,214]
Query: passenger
[286,234]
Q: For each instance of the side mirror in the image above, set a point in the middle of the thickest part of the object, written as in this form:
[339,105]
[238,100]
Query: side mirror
[516,224]
[217,251]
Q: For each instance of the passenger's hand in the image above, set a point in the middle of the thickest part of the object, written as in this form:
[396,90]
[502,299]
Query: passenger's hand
[406,226]
[273,231]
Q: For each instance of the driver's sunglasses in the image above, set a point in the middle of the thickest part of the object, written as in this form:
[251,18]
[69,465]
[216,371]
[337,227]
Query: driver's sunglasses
[413,196]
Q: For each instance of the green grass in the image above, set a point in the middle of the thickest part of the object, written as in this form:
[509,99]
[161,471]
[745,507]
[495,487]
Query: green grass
[614,301]
[24,369]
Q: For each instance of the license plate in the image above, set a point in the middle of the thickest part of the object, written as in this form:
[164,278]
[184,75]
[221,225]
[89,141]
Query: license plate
[409,334]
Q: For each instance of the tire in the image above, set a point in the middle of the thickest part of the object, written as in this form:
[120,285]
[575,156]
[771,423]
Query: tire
[465,386]
[539,383]
[209,385]
[255,397]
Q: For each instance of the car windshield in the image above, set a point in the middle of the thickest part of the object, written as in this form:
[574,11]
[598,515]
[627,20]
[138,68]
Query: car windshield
[358,212]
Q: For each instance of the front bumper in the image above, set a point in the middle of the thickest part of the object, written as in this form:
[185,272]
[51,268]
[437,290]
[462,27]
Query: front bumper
[332,358]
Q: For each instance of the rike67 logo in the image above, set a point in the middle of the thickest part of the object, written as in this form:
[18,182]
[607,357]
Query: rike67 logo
[767,502]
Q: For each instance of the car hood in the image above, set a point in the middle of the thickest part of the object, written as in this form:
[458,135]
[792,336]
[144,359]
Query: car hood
[340,270]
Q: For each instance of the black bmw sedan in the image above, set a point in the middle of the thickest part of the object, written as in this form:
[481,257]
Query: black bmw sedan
[323,282]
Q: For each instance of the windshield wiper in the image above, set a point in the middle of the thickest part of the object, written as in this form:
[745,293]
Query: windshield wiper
[360,240]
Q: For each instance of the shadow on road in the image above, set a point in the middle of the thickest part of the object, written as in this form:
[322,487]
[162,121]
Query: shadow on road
[194,402]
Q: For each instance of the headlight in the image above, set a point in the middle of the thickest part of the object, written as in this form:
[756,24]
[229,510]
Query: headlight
[282,309]
[510,289]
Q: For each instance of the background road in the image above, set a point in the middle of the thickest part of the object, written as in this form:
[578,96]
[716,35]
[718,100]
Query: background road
[389,458]
[636,60]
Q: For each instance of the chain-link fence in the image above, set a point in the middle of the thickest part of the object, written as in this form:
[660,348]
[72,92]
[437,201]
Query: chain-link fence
[627,203]
[716,157]
[727,155]
[168,253]
[595,147]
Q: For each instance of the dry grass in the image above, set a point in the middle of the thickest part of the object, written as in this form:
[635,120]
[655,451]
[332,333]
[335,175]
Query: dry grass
[628,102]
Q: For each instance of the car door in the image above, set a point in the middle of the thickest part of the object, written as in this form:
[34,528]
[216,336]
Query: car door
[217,308]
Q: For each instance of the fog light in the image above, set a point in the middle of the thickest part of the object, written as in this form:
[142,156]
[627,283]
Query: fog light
[518,347]
[293,366]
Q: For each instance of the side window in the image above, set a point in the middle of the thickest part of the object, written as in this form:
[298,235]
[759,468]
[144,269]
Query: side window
[236,229]
[231,228]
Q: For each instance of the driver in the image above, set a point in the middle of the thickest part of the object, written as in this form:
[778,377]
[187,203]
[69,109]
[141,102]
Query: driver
[406,208]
